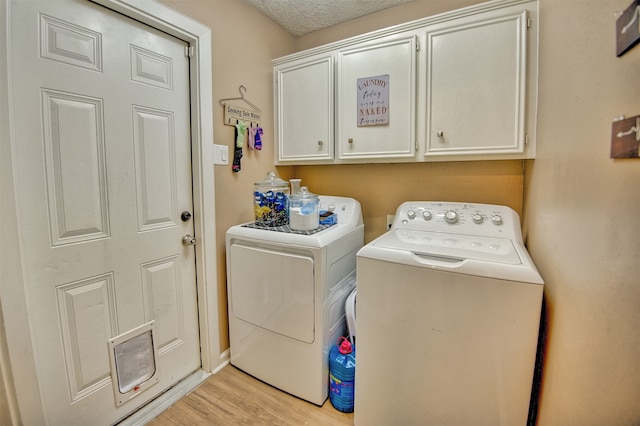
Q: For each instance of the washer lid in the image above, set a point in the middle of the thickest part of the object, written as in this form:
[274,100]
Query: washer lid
[456,246]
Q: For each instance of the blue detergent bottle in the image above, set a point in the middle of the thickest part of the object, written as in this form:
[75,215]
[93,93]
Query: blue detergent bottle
[342,373]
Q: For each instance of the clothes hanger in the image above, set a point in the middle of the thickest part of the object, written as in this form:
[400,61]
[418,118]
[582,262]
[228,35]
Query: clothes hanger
[242,90]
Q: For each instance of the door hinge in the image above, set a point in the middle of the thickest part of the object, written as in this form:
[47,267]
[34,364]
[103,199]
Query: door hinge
[189,51]
[528,23]
[417,44]
[526,139]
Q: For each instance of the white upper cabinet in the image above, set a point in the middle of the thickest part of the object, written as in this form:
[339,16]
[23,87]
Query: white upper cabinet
[305,109]
[461,85]
[476,72]
[376,99]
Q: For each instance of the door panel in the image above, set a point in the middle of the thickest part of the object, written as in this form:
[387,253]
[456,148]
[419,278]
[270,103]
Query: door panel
[300,138]
[155,168]
[162,286]
[395,58]
[479,112]
[86,318]
[76,176]
[276,292]
[103,170]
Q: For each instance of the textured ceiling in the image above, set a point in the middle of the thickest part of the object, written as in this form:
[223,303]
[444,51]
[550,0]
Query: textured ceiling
[300,17]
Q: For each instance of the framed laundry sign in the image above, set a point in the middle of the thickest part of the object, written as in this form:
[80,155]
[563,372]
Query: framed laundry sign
[373,101]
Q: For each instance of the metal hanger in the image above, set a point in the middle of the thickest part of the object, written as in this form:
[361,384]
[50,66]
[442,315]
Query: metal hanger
[241,89]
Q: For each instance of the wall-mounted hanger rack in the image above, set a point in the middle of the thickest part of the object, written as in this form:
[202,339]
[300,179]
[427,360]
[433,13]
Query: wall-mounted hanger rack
[233,113]
[242,91]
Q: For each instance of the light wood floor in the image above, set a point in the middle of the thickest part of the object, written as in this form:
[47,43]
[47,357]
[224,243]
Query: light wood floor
[232,397]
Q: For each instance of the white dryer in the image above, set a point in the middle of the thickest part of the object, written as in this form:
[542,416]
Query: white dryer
[286,293]
[448,314]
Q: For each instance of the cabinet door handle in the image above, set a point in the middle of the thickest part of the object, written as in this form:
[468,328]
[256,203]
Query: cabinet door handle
[320,143]
[350,140]
[440,134]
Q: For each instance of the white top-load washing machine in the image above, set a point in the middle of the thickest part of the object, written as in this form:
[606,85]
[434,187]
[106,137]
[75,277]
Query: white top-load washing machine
[286,293]
[448,314]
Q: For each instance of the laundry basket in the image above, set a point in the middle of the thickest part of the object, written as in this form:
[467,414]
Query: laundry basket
[350,313]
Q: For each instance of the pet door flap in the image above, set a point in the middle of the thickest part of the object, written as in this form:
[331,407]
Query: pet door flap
[133,362]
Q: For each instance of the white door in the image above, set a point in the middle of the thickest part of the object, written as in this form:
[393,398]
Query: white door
[103,173]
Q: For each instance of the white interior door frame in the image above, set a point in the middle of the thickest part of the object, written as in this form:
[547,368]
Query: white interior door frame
[20,379]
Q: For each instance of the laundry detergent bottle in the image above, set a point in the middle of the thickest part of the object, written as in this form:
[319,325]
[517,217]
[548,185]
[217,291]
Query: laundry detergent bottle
[342,373]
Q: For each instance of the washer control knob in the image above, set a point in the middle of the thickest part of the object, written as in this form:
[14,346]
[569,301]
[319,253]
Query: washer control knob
[477,218]
[451,216]
[426,215]
[496,219]
[411,214]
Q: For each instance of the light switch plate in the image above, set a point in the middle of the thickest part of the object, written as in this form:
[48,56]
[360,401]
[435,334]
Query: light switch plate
[220,154]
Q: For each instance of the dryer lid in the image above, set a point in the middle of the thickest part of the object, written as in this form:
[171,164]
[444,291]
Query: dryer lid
[447,245]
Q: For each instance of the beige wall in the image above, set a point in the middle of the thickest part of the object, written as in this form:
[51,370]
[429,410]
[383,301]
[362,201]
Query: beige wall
[381,188]
[244,42]
[580,207]
[583,218]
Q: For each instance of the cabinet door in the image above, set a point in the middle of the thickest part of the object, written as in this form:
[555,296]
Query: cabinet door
[378,123]
[304,108]
[476,85]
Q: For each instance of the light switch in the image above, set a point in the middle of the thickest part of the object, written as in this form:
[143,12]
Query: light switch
[220,154]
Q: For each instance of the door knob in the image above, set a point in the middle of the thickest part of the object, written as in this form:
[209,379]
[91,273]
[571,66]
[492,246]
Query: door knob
[188,240]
